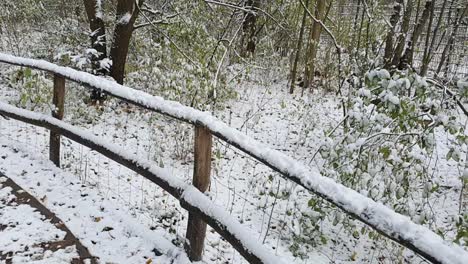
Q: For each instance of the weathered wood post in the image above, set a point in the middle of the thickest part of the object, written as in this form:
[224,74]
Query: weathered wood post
[196,228]
[58,101]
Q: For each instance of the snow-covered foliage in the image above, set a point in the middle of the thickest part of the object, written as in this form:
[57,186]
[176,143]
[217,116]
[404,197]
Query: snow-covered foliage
[386,151]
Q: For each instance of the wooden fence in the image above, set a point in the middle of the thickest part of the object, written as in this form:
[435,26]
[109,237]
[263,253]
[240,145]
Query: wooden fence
[387,222]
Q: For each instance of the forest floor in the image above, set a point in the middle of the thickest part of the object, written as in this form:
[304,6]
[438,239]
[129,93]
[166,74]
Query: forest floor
[141,215]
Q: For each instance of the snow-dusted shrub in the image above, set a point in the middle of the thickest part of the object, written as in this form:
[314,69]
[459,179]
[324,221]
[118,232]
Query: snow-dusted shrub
[34,89]
[182,73]
[386,148]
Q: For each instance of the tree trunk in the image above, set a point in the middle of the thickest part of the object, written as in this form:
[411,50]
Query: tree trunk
[407,59]
[403,34]
[98,41]
[355,21]
[314,40]
[298,50]
[429,48]
[361,24]
[445,58]
[127,13]
[388,53]
[98,32]
[249,28]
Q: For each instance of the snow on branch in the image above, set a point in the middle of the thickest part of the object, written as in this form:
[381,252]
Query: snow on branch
[124,19]
[98,9]
[395,226]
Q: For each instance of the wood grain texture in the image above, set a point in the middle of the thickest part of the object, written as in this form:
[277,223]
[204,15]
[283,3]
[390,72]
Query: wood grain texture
[57,112]
[196,227]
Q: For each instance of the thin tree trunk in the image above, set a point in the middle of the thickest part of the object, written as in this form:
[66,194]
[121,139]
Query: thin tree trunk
[314,42]
[249,28]
[403,34]
[127,13]
[355,21]
[298,50]
[425,61]
[391,33]
[428,56]
[450,43]
[361,24]
[407,59]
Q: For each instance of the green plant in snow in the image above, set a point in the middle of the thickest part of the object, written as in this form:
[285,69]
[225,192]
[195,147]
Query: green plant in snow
[33,88]
[386,150]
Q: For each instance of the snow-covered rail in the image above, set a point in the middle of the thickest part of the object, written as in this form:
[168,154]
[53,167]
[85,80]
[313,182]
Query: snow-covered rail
[190,197]
[387,222]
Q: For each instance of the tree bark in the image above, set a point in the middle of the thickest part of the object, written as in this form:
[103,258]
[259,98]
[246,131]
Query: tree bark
[298,50]
[388,53]
[249,28]
[98,42]
[445,58]
[98,33]
[127,13]
[403,34]
[314,40]
[407,59]
[429,47]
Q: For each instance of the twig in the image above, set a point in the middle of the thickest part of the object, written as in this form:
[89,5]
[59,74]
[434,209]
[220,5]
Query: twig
[271,213]
[170,40]
[335,42]
[249,10]
[449,93]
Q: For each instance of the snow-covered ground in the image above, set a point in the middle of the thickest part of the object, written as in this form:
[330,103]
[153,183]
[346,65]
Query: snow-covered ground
[250,191]
[23,229]
[101,225]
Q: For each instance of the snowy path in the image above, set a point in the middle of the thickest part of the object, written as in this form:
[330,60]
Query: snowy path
[32,233]
[109,233]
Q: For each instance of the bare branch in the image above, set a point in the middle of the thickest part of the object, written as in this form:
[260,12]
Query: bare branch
[248,10]
[149,24]
[151,11]
[337,46]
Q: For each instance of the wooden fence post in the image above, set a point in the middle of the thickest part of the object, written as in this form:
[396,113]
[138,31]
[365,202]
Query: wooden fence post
[196,228]
[58,103]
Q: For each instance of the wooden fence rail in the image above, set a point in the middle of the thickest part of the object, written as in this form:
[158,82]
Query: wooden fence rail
[200,211]
[385,221]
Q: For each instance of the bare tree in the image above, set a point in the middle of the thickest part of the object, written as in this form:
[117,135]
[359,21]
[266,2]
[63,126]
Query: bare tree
[298,50]
[249,28]
[127,13]
[407,59]
[98,32]
[314,40]
[401,40]
[430,45]
[448,49]
[388,53]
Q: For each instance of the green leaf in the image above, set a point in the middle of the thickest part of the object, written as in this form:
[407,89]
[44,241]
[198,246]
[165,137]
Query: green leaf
[27,73]
[385,152]
[323,239]
[449,154]
[356,234]
[312,203]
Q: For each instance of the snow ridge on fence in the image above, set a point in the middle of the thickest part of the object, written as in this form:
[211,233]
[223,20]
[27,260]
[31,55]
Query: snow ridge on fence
[186,193]
[395,226]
